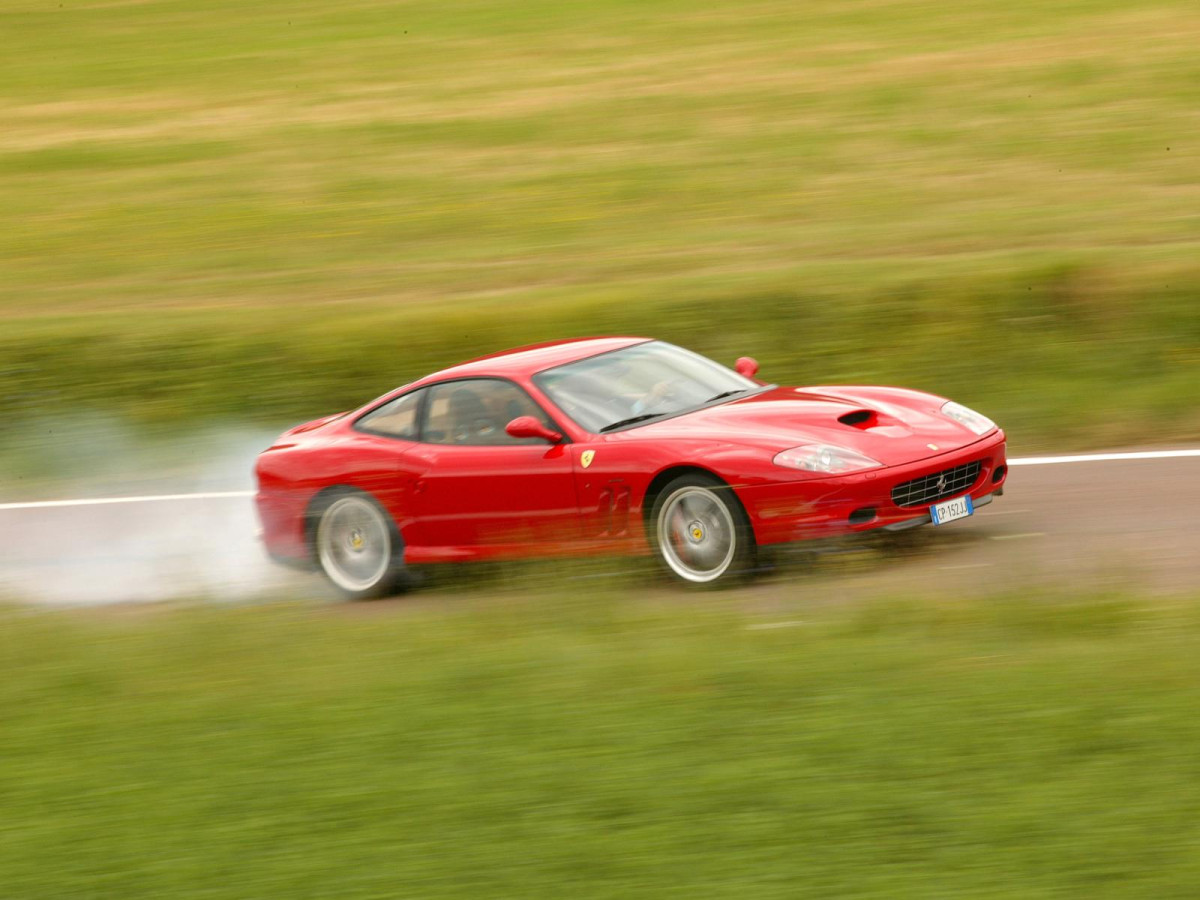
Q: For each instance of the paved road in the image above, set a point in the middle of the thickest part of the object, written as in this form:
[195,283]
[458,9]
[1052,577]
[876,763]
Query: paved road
[1114,523]
[117,553]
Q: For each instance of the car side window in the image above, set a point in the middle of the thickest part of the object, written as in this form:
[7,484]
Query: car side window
[396,419]
[475,413]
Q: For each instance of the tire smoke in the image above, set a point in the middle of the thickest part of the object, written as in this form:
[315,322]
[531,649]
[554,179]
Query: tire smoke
[132,552]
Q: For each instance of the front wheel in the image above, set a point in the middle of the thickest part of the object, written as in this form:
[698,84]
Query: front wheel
[358,547]
[701,531]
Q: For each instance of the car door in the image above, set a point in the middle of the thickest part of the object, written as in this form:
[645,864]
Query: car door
[479,492]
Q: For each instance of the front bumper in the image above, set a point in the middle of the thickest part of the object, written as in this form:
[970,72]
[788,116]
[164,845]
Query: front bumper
[818,508]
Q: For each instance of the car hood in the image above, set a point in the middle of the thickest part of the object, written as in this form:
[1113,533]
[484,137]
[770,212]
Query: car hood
[891,425]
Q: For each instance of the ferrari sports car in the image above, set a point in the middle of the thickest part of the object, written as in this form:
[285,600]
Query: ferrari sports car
[613,445]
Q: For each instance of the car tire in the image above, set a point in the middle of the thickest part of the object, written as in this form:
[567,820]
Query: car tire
[700,531]
[357,546]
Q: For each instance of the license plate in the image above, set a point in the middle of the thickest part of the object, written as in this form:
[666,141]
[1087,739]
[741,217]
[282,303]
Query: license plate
[958,508]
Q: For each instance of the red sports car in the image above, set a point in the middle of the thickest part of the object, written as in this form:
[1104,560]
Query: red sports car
[614,444]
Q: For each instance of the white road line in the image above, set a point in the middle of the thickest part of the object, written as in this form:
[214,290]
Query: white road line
[231,495]
[98,501]
[1101,457]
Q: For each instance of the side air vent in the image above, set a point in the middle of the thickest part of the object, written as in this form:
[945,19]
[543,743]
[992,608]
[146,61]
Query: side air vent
[860,418]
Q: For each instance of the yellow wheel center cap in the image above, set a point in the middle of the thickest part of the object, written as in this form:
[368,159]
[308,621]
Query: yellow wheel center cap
[356,541]
[697,533]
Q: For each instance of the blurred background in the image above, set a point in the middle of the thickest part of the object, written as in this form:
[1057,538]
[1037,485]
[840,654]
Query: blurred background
[218,219]
[254,215]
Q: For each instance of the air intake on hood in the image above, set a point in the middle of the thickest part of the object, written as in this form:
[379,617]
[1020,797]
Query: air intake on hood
[860,418]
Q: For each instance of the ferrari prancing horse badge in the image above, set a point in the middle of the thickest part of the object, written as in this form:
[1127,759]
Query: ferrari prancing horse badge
[586,457]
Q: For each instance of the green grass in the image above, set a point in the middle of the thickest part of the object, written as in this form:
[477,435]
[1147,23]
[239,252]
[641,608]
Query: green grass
[217,212]
[260,213]
[527,746]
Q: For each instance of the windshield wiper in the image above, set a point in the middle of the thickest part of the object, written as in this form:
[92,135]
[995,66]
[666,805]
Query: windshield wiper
[725,394]
[631,420]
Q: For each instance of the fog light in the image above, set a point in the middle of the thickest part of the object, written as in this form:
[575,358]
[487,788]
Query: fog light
[862,516]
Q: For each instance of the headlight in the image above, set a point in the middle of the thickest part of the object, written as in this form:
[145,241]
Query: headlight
[825,458]
[967,417]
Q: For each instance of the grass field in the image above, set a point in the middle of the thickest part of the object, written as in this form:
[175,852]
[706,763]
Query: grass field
[260,213]
[504,745]
[222,215]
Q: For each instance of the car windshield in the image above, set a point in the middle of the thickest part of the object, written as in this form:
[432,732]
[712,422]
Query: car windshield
[641,383]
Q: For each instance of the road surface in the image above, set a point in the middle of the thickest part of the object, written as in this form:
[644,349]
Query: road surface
[1120,523]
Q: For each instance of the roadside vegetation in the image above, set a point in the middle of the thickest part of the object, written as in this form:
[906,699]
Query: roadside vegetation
[259,214]
[218,219]
[537,743]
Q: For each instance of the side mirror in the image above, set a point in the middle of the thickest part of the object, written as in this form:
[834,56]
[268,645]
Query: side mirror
[529,427]
[746,366]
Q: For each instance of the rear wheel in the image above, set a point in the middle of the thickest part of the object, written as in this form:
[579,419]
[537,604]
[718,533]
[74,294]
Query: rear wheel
[701,531]
[358,547]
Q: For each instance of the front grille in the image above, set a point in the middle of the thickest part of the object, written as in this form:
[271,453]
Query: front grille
[938,486]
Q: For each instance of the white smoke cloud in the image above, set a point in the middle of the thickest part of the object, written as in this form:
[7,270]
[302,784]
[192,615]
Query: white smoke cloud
[135,552]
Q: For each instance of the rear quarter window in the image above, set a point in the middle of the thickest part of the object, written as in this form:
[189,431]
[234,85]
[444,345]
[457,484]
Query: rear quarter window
[396,419]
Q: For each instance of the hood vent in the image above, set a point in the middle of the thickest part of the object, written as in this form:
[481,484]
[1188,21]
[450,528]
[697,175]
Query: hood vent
[860,418]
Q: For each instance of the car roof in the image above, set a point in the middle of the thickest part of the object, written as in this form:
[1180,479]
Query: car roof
[525,361]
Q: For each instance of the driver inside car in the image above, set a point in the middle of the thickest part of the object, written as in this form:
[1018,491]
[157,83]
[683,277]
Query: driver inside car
[660,398]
